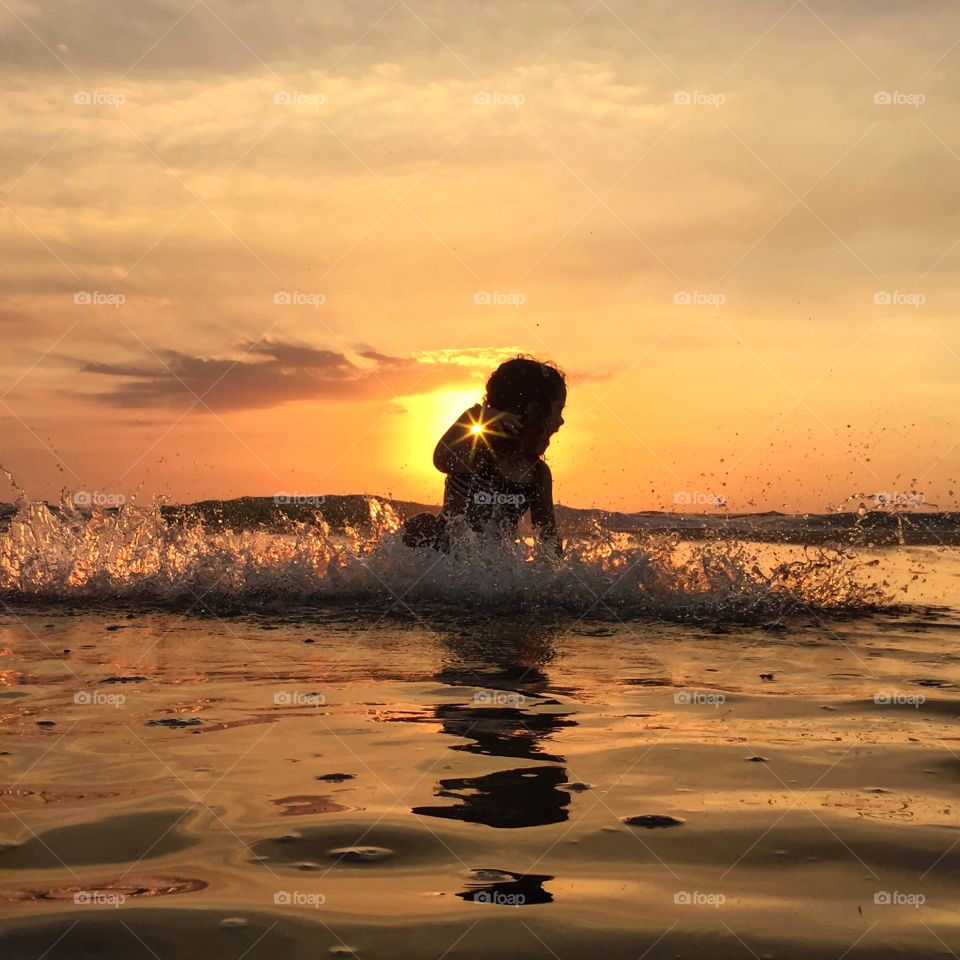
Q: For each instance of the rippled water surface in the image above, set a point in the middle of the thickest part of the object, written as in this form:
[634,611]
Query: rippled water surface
[404,780]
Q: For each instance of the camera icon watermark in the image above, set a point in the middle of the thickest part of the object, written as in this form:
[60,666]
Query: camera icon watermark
[886,98]
[499,898]
[499,698]
[896,898]
[696,898]
[492,498]
[98,898]
[884,498]
[98,98]
[698,298]
[296,98]
[498,298]
[299,499]
[497,98]
[884,699]
[694,498]
[298,898]
[297,698]
[97,298]
[94,698]
[698,98]
[96,498]
[898,298]
[698,698]
[298,298]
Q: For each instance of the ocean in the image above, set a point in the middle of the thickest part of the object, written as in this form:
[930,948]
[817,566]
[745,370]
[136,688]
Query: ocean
[235,732]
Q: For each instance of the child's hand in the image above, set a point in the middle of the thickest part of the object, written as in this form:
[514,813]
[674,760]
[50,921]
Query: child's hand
[509,422]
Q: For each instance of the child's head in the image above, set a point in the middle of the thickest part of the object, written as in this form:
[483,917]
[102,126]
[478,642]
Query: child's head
[535,392]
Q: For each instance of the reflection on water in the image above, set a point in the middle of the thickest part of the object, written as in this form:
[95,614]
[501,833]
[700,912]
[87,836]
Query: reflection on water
[512,648]
[501,731]
[502,887]
[227,830]
[507,659]
[525,797]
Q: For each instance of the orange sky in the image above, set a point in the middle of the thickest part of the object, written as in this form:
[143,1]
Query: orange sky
[310,230]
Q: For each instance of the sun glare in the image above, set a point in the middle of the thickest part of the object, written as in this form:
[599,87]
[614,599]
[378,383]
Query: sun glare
[425,419]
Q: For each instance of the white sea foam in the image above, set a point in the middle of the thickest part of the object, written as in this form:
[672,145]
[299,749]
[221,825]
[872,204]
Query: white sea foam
[136,554]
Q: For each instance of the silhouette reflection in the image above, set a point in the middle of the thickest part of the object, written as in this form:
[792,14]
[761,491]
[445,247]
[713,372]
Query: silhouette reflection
[506,888]
[510,716]
[501,731]
[525,797]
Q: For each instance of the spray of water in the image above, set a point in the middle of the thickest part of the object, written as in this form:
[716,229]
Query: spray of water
[136,554]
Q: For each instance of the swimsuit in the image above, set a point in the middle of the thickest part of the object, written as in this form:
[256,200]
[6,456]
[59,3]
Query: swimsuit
[485,498]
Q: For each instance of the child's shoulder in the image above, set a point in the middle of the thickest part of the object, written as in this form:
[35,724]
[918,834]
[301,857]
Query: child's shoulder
[543,470]
[541,473]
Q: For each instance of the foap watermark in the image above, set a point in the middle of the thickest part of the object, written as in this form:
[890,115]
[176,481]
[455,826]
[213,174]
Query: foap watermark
[885,498]
[298,898]
[98,298]
[694,498]
[297,98]
[897,898]
[99,98]
[898,298]
[698,98]
[95,698]
[498,98]
[698,698]
[492,498]
[884,699]
[698,298]
[697,898]
[97,498]
[499,698]
[886,98]
[499,898]
[298,298]
[98,898]
[299,499]
[497,298]
[297,698]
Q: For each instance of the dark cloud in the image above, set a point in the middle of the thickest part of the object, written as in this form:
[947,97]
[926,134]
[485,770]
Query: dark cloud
[297,355]
[266,373]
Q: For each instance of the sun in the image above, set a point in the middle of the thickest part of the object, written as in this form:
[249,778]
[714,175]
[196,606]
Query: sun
[425,418]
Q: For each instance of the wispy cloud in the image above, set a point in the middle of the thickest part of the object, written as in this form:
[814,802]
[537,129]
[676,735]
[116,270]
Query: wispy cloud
[271,372]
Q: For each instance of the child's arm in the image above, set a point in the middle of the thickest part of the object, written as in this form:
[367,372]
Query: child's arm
[457,448]
[542,514]
[454,452]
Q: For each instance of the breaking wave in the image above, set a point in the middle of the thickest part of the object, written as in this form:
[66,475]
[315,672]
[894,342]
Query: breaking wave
[141,554]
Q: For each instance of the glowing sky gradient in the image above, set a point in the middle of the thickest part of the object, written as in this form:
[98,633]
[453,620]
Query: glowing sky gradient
[734,225]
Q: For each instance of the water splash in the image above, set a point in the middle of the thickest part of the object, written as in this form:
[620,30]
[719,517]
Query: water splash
[137,554]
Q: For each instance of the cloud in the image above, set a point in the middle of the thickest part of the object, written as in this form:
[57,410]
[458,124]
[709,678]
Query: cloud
[482,357]
[268,373]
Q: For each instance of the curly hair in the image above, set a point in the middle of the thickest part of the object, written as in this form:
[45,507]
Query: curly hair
[522,380]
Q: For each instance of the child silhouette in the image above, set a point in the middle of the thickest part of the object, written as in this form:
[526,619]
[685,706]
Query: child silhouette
[493,459]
